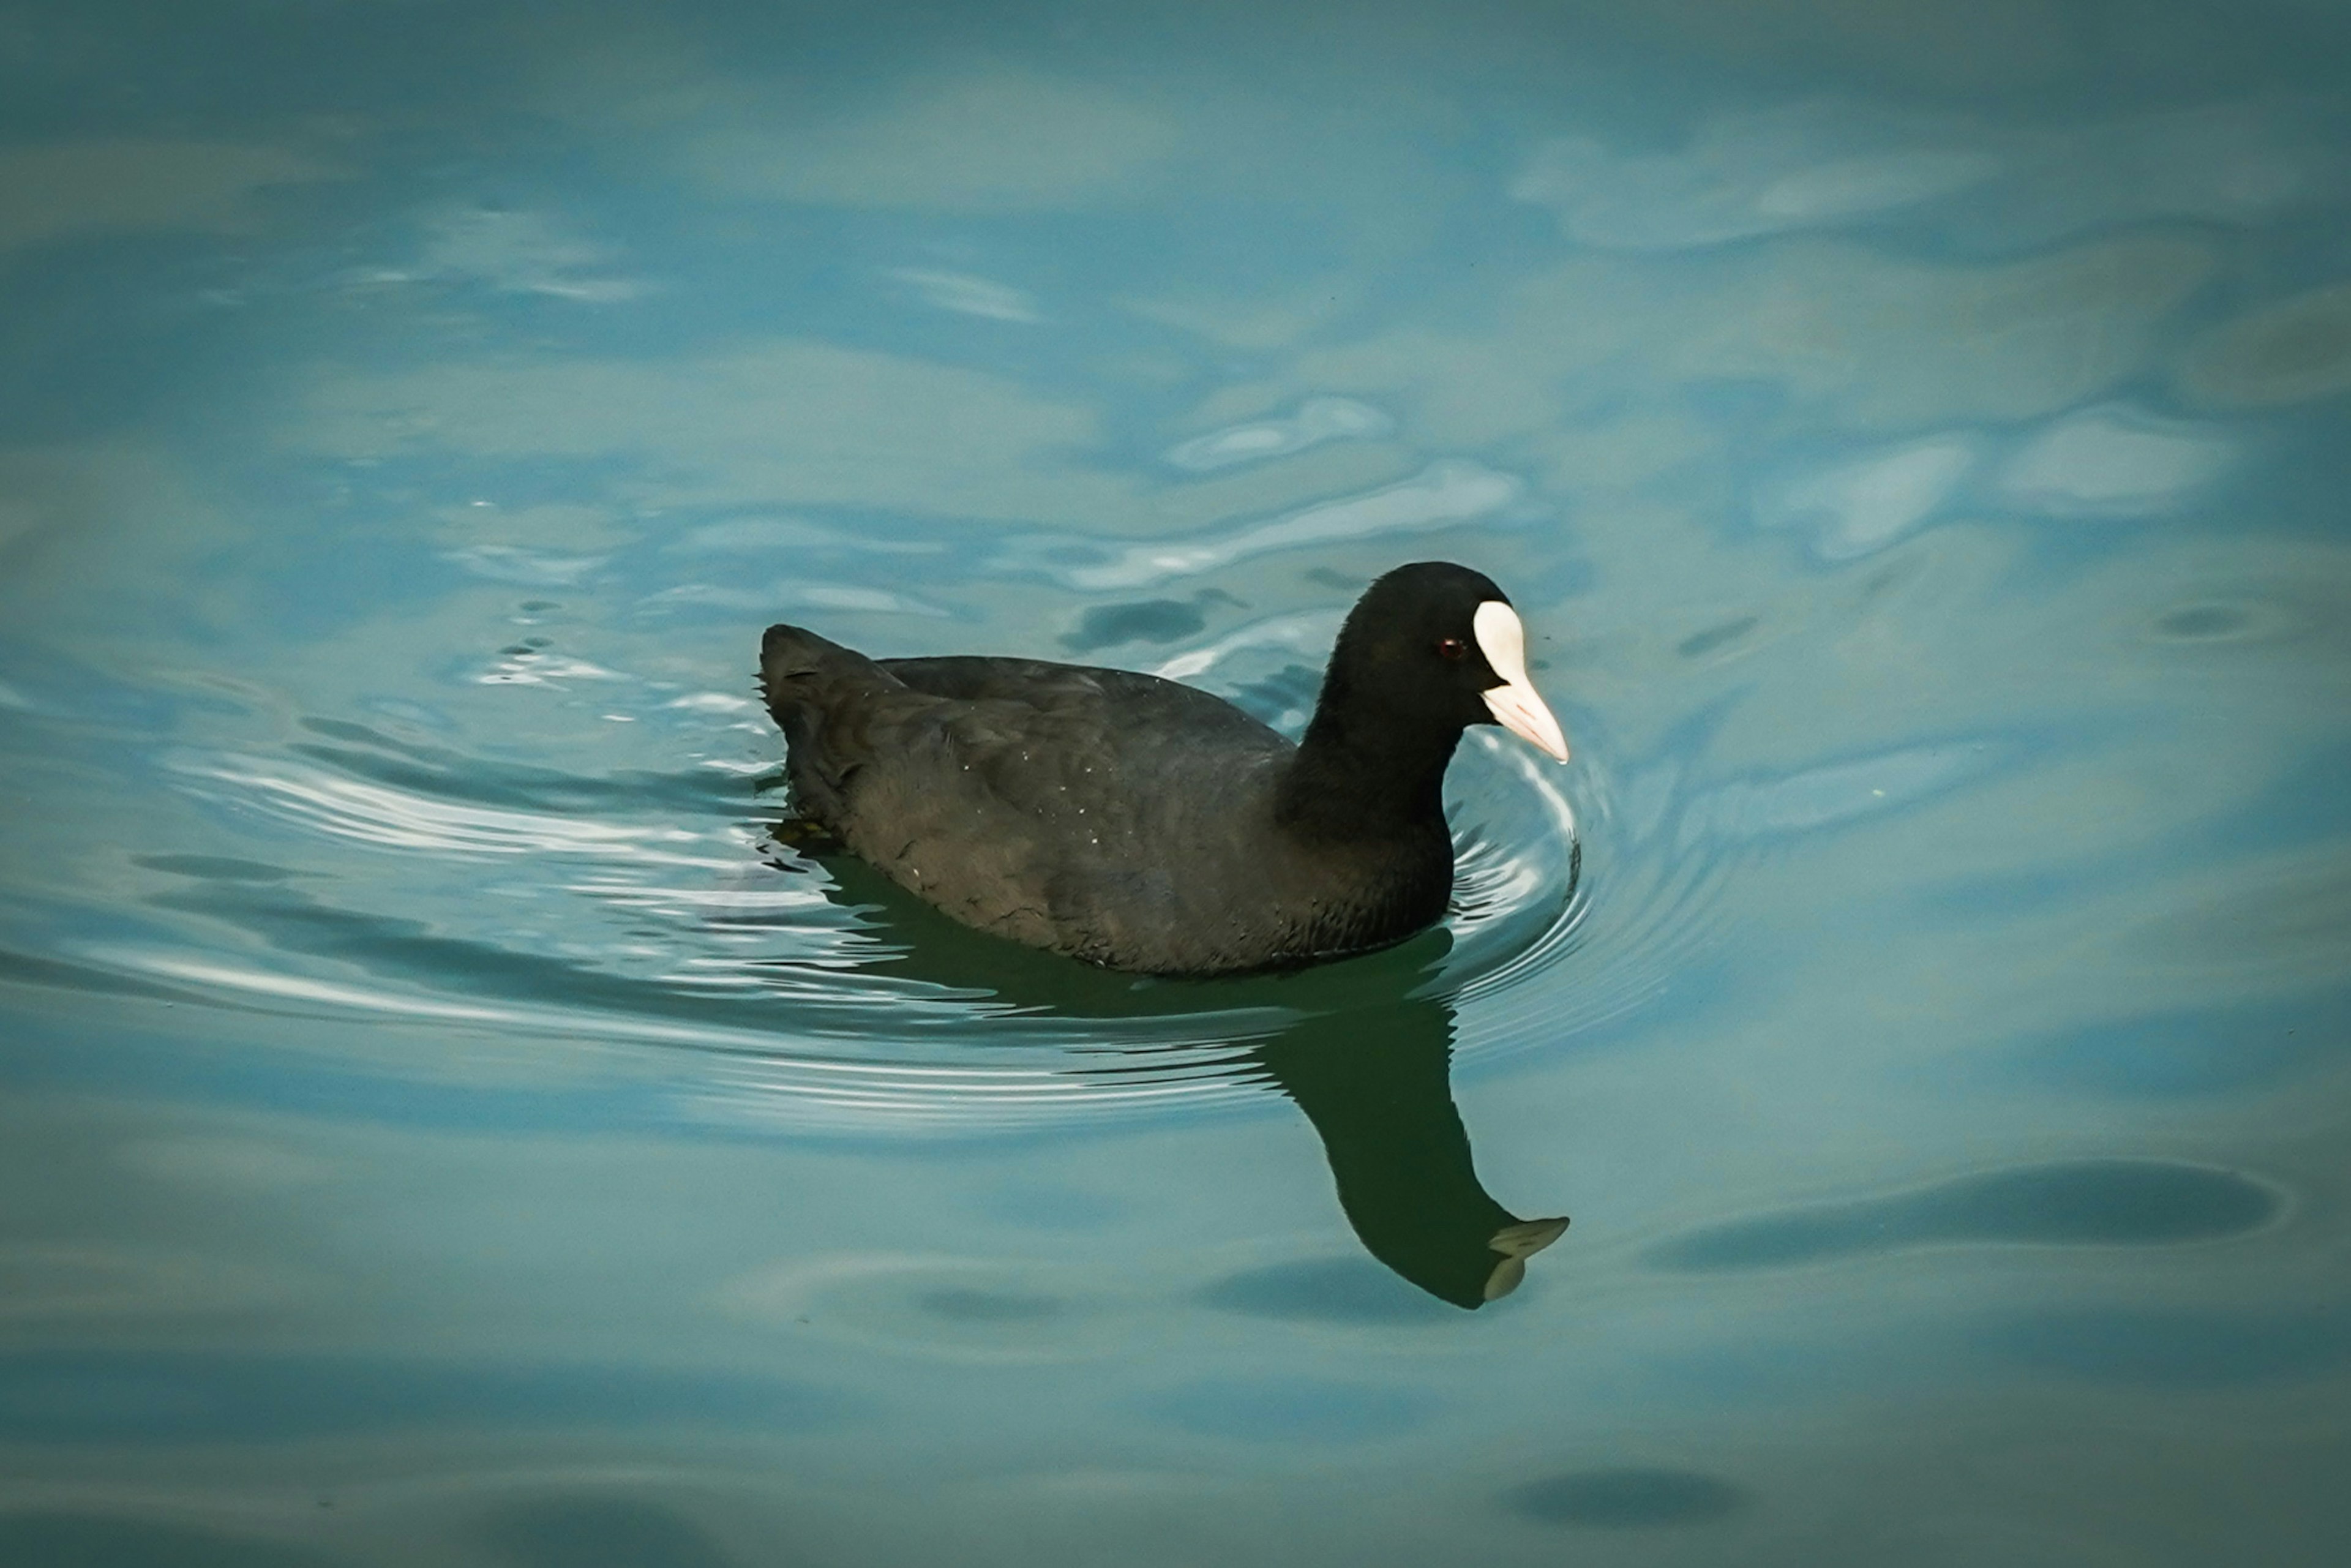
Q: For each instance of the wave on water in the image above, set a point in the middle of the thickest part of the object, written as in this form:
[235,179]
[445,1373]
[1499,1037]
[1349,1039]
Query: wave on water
[423,884]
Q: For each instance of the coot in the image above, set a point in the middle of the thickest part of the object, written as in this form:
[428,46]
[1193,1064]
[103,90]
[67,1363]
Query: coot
[1146,826]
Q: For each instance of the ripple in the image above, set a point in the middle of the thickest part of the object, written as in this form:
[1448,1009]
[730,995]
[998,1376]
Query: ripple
[1533,964]
[1865,503]
[217,867]
[1326,1290]
[2114,462]
[74,1282]
[175,1396]
[1318,420]
[762,967]
[592,1530]
[755,1076]
[986,1311]
[1699,644]
[652,910]
[1445,494]
[333,802]
[2176,1347]
[2203,622]
[1290,1409]
[1629,1498]
[2292,350]
[1143,621]
[2117,1203]
[2230,619]
[56,1539]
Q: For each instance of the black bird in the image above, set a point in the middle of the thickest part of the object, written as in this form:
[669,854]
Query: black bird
[1147,826]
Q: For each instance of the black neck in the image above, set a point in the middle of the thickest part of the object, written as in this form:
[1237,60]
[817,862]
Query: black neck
[1355,776]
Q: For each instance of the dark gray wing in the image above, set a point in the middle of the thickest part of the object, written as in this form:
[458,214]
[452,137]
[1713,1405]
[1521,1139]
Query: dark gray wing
[1049,802]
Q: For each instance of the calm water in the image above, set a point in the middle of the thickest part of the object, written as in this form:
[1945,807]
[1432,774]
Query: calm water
[442,1124]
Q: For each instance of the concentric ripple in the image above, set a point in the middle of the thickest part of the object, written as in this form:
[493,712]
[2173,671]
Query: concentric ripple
[657,911]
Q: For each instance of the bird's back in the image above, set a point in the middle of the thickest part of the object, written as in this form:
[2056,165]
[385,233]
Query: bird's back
[1112,816]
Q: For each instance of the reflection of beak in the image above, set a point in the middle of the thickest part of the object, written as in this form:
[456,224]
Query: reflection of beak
[1515,704]
[1517,1243]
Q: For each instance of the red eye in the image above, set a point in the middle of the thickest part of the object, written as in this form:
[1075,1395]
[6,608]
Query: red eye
[1452,648]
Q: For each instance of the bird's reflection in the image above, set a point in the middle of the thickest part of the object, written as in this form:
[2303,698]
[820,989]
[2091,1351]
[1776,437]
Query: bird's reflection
[1365,1057]
[1376,1083]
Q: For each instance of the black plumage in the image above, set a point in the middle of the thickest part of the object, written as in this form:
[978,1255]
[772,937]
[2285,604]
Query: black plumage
[1144,825]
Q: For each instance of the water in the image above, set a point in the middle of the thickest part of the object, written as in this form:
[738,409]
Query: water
[442,1124]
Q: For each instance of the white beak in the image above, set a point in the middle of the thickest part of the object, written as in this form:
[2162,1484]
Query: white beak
[1515,704]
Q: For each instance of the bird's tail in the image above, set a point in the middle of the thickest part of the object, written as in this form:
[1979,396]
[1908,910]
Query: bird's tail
[801,674]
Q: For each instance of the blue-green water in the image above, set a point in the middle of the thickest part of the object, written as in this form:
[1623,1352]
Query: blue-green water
[442,1125]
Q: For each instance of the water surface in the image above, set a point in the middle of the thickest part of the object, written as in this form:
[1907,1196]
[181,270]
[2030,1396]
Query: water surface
[444,1122]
